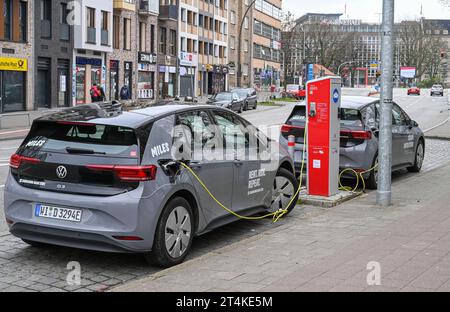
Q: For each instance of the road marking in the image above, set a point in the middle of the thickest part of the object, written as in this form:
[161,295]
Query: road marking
[16,131]
[437,126]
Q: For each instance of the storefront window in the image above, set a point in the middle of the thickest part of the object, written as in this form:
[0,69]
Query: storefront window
[12,91]
[145,85]
[81,87]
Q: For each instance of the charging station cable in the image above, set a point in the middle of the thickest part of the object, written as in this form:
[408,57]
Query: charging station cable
[277,215]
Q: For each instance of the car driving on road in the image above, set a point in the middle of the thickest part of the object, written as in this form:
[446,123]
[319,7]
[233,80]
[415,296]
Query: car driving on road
[249,96]
[414,90]
[360,119]
[230,100]
[437,90]
[106,180]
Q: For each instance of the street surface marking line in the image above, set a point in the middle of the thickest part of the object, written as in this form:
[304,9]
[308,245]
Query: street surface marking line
[437,126]
[16,131]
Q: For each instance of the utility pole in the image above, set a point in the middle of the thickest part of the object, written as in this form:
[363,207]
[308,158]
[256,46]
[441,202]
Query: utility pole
[384,195]
[241,26]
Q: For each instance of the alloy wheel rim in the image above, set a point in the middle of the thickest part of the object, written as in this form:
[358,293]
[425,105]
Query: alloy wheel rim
[178,232]
[282,193]
[420,156]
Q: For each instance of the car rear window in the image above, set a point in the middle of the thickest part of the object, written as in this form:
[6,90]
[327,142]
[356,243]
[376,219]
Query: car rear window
[100,139]
[351,118]
[298,116]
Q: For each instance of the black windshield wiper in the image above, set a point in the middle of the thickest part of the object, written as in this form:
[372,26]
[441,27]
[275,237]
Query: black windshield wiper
[72,150]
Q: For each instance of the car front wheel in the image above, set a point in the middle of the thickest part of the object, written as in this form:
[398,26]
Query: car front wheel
[174,234]
[418,160]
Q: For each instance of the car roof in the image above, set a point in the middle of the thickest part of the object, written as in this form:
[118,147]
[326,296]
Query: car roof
[353,102]
[104,115]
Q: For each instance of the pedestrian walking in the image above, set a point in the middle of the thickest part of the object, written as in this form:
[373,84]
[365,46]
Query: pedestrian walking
[125,93]
[95,93]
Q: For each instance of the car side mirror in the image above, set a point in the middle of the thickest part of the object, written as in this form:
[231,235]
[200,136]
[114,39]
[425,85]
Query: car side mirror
[413,124]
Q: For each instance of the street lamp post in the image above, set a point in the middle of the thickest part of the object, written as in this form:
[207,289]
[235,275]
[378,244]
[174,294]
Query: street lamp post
[239,66]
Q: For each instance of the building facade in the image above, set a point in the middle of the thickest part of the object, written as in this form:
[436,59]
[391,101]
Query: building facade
[53,54]
[93,37]
[16,56]
[237,10]
[168,49]
[266,63]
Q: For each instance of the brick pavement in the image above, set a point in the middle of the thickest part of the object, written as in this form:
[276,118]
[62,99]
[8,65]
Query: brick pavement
[329,250]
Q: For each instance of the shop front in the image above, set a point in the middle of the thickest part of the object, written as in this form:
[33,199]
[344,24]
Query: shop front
[217,78]
[188,69]
[167,81]
[88,71]
[13,75]
[114,80]
[146,76]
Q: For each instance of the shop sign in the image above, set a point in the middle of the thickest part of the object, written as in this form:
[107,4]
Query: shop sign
[148,58]
[188,59]
[88,61]
[183,71]
[172,70]
[13,64]
[146,67]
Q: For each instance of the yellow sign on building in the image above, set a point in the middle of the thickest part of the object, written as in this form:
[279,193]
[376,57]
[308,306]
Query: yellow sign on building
[14,64]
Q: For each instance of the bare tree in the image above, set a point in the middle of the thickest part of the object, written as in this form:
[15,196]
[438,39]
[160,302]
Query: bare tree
[419,48]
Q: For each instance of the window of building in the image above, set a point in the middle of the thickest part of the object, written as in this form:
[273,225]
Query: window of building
[162,40]
[23,23]
[46,18]
[90,23]
[173,42]
[152,38]
[142,37]
[116,32]
[127,34]
[7,7]
[105,28]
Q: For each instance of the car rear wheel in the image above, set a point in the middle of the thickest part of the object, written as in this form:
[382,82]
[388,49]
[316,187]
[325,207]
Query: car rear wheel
[241,109]
[174,234]
[246,106]
[418,160]
[284,189]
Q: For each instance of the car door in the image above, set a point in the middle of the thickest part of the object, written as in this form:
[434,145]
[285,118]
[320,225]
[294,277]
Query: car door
[401,135]
[253,98]
[236,102]
[198,136]
[250,177]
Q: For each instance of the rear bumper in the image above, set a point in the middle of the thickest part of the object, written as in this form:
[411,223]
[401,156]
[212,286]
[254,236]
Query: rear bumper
[129,214]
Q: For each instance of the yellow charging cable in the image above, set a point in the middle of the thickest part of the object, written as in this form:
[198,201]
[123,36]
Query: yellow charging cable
[275,215]
[359,177]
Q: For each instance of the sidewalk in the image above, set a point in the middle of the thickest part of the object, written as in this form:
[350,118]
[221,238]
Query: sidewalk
[329,250]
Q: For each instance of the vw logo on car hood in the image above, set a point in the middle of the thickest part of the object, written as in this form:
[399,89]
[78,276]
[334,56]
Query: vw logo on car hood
[61,172]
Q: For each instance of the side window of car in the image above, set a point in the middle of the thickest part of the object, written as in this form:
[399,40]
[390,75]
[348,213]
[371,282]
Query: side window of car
[193,130]
[234,133]
[399,117]
[369,115]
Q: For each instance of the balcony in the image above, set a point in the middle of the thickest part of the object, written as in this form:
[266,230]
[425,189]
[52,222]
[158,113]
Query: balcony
[129,5]
[168,12]
[91,35]
[105,37]
[148,7]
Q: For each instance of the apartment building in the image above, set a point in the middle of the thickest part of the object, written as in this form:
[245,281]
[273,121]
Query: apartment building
[93,38]
[168,48]
[53,54]
[237,10]
[16,55]
[266,63]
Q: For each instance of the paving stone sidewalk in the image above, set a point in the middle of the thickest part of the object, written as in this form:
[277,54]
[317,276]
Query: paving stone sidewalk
[331,249]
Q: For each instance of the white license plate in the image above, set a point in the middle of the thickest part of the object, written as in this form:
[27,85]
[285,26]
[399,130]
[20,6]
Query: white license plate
[65,214]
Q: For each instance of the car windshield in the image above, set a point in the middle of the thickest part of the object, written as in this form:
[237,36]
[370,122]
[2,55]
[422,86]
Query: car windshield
[292,88]
[243,93]
[224,97]
[351,118]
[437,86]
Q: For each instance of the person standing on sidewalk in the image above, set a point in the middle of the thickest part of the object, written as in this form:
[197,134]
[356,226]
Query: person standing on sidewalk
[95,93]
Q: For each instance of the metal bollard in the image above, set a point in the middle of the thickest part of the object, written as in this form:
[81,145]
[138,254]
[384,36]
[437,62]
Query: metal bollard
[291,146]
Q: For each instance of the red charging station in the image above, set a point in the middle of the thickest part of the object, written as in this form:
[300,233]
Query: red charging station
[323,105]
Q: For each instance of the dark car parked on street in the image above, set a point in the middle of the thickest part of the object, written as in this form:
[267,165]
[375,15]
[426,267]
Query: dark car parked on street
[230,100]
[250,97]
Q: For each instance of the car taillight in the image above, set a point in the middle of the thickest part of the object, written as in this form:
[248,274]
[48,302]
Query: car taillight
[16,160]
[359,135]
[128,173]
[289,128]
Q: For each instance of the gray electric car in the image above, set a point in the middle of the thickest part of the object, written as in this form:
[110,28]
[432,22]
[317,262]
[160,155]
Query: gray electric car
[359,137]
[98,178]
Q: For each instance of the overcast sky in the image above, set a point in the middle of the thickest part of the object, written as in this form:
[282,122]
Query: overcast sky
[367,9]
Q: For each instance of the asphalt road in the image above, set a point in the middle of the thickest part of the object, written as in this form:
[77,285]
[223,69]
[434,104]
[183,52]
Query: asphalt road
[25,268]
